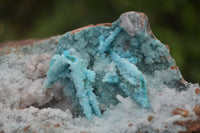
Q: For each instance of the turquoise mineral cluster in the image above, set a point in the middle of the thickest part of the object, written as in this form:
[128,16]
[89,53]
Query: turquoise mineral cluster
[96,63]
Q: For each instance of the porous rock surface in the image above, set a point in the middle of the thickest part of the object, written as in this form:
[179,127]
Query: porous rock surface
[27,106]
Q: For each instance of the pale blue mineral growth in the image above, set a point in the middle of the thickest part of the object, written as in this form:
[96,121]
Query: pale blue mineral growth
[69,66]
[105,61]
[104,45]
[134,77]
[111,78]
[111,75]
[57,67]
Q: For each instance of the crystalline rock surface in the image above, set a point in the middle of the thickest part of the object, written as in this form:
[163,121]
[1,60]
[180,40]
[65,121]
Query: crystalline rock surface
[111,77]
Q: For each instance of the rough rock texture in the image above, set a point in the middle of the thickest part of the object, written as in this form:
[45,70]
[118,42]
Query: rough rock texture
[112,70]
[119,56]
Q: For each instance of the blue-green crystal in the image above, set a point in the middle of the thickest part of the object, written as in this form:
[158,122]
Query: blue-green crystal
[105,61]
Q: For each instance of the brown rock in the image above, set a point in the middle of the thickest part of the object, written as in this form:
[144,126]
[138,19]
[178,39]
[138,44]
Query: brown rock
[150,118]
[179,111]
[167,46]
[26,128]
[56,125]
[130,125]
[192,126]
[174,67]
[197,110]
[47,125]
[197,91]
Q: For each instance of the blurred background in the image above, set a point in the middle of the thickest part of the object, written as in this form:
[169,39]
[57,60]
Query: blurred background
[174,22]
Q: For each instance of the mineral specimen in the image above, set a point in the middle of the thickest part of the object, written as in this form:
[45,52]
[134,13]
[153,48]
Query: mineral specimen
[103,61]
[118,75]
